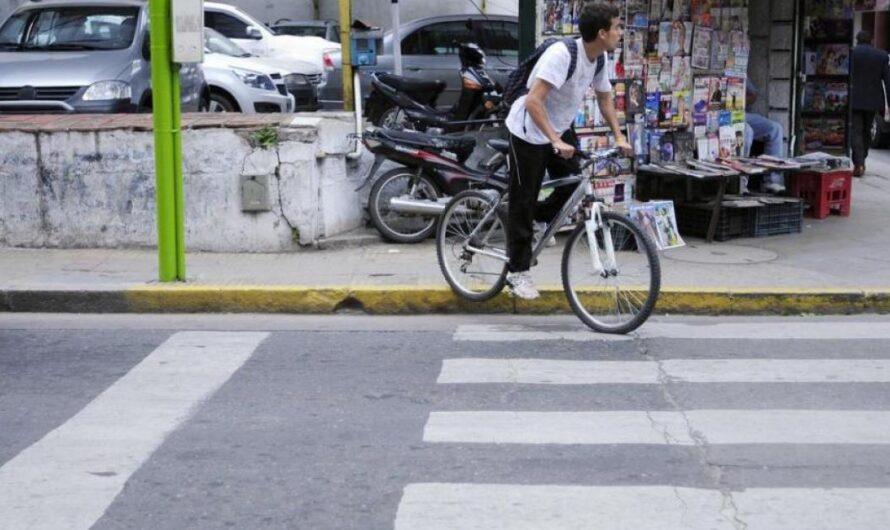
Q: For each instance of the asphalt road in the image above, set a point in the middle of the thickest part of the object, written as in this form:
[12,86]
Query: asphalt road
[448,422]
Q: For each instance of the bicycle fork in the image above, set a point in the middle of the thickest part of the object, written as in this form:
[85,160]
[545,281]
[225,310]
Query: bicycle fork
[593,221]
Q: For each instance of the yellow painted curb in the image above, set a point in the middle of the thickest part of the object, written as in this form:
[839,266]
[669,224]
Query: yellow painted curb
[402,299]
[234,299]
[803,301]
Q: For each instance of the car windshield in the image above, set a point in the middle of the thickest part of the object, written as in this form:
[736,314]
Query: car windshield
[217,43]
[70,29]
[302,31]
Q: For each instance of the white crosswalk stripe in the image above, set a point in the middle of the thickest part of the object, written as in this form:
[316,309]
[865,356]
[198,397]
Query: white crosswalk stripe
[562,372]
[70,477]
[470,506]
[522,507]
[722,331]
[661,427]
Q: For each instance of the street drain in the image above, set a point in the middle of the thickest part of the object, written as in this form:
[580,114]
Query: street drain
[349,304]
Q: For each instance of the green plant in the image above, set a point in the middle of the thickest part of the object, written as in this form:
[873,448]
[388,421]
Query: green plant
[267,137]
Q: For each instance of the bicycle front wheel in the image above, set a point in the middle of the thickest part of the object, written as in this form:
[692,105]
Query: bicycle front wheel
[471,244]
[621,299]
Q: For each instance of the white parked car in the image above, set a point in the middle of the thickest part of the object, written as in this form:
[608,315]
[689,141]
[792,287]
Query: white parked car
[240,83]
[259,40]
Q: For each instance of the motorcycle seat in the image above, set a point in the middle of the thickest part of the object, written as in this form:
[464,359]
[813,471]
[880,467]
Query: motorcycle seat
[499,144]
[408,84]
[461,145]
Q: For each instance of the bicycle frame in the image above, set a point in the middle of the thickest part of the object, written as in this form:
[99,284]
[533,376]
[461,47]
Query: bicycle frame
[582,196]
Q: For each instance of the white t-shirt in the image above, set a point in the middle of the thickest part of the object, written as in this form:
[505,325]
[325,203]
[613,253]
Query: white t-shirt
[564,100]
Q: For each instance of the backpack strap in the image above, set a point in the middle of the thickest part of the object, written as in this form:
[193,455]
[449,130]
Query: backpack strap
[572,45]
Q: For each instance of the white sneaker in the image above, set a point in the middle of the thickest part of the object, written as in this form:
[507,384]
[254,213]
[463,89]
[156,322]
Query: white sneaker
[522,285]
[772,187]
[539,231]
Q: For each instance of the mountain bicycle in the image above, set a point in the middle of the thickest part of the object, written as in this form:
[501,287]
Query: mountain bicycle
[611,274]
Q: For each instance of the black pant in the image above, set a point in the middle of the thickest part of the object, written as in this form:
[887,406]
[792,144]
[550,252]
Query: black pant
[861,135]
[528,164]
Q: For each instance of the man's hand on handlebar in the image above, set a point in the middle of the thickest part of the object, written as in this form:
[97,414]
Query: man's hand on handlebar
[626,148]
[563,149]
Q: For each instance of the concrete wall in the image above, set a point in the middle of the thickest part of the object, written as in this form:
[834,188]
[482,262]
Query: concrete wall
[72,189]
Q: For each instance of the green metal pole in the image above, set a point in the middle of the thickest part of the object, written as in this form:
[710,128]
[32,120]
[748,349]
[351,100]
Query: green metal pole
[527,27]
[178,193]
[162,86]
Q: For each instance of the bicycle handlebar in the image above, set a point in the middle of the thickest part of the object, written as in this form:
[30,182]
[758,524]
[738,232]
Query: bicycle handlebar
[596,156]
[612,152]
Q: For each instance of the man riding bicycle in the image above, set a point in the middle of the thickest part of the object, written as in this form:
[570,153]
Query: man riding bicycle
[541,135]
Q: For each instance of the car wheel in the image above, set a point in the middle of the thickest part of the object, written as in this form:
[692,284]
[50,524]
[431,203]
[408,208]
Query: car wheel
[221,103]
[880,138]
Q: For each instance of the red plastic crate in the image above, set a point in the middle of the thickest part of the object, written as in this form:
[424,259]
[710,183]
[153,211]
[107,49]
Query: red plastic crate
[824,192]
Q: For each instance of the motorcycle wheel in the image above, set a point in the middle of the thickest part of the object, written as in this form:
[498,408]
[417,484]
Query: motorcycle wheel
[401,227]
[394,118]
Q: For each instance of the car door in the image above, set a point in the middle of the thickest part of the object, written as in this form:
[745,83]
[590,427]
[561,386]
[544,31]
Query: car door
[236,29]
[430,53]
[500,40]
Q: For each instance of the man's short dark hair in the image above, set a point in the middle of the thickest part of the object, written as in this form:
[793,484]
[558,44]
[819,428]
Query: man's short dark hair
[595,17]
[863,37]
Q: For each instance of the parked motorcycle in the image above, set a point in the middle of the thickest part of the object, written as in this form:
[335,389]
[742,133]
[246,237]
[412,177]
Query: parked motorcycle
[403,102]
[406,202]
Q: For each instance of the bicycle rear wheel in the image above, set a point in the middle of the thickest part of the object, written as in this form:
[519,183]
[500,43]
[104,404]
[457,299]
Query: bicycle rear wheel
[620,300]
[473,263]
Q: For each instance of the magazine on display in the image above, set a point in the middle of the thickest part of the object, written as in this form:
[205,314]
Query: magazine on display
[636,98]
[658,220]
[832,59]
[735,94]
[701,47]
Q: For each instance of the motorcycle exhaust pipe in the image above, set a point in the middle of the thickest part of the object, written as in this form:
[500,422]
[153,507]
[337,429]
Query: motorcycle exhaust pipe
[426,207]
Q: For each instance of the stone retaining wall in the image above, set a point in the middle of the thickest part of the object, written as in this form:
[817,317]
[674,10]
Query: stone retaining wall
[88,181]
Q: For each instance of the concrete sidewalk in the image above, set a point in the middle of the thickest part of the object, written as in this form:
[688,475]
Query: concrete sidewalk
[837,265]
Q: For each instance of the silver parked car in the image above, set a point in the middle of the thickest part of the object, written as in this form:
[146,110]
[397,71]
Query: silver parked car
[83,56]
[240,83]
[429,52]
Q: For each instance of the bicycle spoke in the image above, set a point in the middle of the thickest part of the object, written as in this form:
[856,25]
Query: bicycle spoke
[464,226]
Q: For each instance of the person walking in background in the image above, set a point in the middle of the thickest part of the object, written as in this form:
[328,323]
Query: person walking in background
[871,78]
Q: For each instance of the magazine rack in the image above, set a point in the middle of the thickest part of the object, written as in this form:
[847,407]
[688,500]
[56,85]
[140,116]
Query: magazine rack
[678,77]
[826,66]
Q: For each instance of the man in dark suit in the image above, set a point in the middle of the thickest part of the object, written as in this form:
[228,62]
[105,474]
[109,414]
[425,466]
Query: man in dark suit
[871,77]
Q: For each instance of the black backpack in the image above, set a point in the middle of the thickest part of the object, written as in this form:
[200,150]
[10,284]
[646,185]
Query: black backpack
[518,79]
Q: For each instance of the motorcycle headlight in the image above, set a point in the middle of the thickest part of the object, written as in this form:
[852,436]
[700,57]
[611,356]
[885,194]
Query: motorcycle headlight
[105,90]
[255,79]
